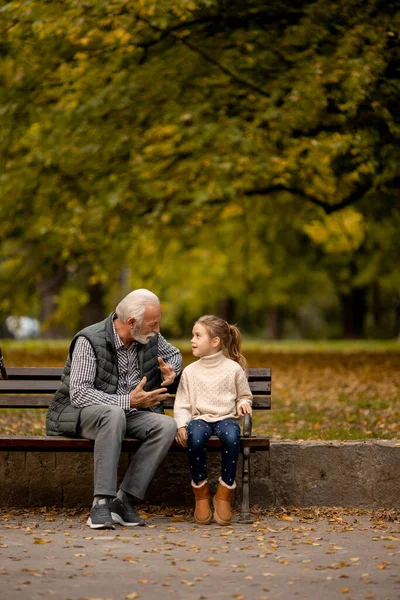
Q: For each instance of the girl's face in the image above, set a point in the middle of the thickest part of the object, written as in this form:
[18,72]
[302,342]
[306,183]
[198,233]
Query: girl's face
[202,343]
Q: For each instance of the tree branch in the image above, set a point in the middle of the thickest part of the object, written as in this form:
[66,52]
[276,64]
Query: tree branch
[328,208]
[204,55]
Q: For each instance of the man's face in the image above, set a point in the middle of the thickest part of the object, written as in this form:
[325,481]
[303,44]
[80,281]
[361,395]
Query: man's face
[149,326]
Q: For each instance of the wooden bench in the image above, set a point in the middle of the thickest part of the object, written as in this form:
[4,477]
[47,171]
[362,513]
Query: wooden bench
[33,388]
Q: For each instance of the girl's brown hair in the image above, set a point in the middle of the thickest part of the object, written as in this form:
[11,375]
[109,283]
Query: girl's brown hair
[230,337]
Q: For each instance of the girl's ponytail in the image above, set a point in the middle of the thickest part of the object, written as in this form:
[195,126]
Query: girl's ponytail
[234,347]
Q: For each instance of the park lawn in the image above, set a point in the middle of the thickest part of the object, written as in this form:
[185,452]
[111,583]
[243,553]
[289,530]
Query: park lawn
[320,391]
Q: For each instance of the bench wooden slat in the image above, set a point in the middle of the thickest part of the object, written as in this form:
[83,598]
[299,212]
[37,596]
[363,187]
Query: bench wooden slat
[260,387]
[259,374]
[19,373]
[43,386]
[255,374]
[28,386]
[259,402]
[24,401]
[68,444]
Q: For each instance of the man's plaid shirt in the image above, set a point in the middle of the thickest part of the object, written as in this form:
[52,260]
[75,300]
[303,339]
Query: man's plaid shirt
[83,372]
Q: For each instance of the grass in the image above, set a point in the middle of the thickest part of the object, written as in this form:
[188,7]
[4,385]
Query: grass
[320,391]
[249,345]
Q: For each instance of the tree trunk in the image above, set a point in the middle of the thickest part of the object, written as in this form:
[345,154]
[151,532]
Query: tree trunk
[94,310]
[354,309]
[275,323]
[227,309]
[376,304]
[48,289]
[397,319]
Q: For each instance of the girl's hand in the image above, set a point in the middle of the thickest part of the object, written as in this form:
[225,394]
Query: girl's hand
[244,409]
[181,437]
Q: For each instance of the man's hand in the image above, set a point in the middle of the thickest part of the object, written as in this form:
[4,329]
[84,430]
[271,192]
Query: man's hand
[244,409]
[167,372]
[181,437]
[141,399]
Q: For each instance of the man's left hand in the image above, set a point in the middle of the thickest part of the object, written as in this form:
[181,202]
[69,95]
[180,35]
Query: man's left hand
[167,372]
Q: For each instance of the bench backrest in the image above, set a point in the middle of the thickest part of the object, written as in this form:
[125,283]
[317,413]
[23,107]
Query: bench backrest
[32,387]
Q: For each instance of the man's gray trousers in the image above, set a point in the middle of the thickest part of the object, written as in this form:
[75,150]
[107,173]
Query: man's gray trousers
[108,425]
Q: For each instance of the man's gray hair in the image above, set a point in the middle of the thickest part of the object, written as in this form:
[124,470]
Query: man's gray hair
[134,305]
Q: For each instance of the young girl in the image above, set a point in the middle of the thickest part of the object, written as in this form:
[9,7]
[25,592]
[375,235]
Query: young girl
[212,395]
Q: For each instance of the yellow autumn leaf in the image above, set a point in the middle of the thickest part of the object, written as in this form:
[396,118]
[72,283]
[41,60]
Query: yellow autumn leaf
[129,559]
[132,596]
[345,590]
[287,518]
[40,541]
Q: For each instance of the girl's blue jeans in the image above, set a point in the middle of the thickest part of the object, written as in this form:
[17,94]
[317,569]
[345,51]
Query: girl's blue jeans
[228,432]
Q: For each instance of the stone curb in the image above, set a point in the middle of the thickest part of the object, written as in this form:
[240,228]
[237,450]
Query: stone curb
[357,474]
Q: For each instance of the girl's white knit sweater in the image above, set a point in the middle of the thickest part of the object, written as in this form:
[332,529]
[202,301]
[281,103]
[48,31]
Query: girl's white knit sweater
[212,388]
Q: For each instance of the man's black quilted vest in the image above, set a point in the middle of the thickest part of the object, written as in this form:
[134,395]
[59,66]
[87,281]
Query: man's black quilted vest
[62,416]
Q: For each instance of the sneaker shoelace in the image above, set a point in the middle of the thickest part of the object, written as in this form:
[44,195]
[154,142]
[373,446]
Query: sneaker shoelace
[102,508]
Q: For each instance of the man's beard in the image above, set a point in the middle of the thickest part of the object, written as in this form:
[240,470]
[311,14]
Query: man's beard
[138,337]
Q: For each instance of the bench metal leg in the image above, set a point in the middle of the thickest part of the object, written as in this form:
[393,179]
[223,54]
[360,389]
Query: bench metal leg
[245,516]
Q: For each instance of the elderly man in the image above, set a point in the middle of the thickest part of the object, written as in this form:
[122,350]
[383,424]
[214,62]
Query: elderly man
[110,388]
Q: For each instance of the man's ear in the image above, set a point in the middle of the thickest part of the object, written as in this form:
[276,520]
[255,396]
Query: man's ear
[131,322]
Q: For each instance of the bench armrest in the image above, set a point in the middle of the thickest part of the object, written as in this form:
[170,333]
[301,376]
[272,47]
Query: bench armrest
[247,425]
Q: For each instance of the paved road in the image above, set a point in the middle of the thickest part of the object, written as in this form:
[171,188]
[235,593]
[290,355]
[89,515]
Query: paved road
[53,554]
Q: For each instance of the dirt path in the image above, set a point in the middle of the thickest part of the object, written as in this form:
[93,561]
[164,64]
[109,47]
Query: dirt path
[305,555]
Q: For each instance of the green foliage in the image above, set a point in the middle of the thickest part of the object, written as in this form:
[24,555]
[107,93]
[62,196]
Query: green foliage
[197,148]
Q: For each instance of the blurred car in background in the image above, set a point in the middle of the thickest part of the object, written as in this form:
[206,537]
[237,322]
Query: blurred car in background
[20,328]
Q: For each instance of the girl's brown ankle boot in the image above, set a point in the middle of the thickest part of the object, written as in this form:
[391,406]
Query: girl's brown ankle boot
[222,503]
[202,511]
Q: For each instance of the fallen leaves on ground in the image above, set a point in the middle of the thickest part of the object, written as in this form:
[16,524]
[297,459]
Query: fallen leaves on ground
[334,515]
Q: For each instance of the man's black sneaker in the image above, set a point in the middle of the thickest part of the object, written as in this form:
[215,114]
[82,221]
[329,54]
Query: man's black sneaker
[100,515]
[122,512]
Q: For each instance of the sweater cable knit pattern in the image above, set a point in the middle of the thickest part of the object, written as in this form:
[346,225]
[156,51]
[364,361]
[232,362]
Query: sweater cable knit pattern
[212,389]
